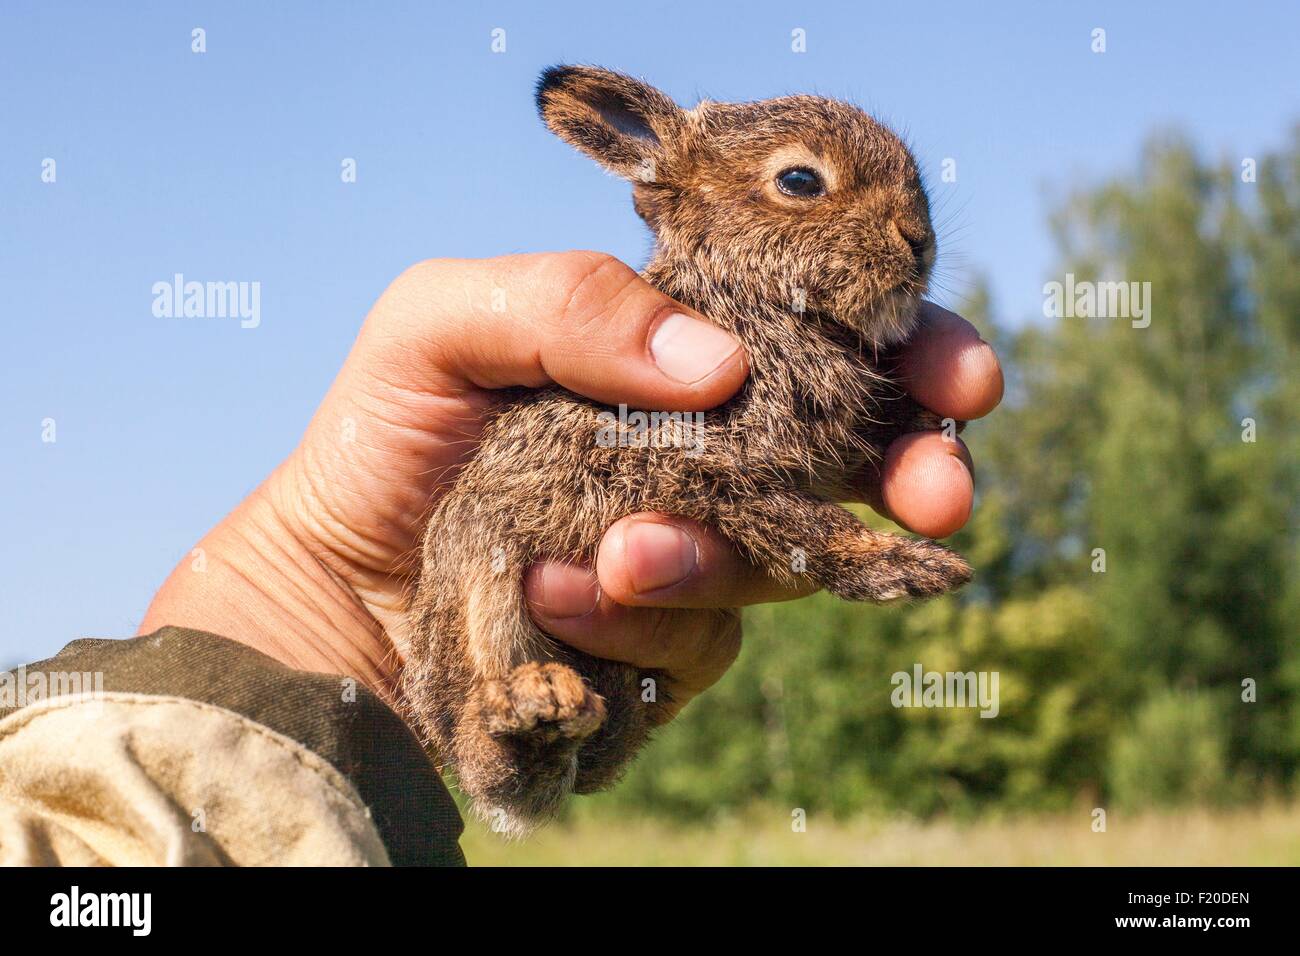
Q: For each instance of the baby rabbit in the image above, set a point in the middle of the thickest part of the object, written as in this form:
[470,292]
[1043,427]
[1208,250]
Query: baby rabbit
[800,225]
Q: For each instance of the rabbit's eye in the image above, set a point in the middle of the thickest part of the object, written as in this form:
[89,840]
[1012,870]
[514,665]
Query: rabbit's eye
[801,182]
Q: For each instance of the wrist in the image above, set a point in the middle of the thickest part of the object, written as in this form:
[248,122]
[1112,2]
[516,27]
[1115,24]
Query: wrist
[257,579]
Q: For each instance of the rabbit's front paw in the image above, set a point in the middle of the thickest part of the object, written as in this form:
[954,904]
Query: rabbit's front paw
[542,700]
[883,567]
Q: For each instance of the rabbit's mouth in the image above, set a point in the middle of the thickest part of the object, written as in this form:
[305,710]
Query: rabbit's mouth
[888,318]
[890,321]
[894,318]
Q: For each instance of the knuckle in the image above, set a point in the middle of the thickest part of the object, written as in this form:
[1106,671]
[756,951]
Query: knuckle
[587,288]
[661,639]
[424,272]
[706,639]
[726,632]
[418,284]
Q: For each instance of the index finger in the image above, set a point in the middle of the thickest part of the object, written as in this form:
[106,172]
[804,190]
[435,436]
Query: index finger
[948,368]
[582,320]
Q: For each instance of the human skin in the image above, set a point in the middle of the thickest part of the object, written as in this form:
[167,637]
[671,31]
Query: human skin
[314,567]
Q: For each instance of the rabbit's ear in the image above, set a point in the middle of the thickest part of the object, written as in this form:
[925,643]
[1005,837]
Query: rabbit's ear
[620,122]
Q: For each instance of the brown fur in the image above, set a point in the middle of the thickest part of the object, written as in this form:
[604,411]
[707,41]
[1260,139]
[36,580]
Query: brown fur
[814,288]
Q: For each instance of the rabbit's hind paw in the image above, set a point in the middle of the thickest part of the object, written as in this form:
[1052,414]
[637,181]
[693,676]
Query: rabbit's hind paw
[543,701]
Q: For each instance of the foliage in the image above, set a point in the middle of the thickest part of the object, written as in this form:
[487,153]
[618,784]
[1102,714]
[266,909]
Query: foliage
[1124,685]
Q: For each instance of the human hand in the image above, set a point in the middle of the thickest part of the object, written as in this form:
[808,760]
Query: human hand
[315,566]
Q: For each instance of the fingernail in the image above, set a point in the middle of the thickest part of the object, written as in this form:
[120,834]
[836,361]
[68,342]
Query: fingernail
[688,350]
[658,555]
[567,590]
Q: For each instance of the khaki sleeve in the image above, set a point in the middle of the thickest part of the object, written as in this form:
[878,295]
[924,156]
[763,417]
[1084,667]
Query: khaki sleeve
[125,779]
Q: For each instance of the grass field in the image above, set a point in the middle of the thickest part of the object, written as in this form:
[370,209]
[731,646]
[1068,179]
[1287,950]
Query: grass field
[1249,837]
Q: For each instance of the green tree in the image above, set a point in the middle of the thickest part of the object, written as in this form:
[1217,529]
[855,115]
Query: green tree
[1171,451]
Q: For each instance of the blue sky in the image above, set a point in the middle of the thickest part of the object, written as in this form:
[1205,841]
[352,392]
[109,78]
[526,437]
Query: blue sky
[225,165]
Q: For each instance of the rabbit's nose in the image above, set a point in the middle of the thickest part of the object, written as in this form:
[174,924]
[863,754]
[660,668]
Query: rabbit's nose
[917,238]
